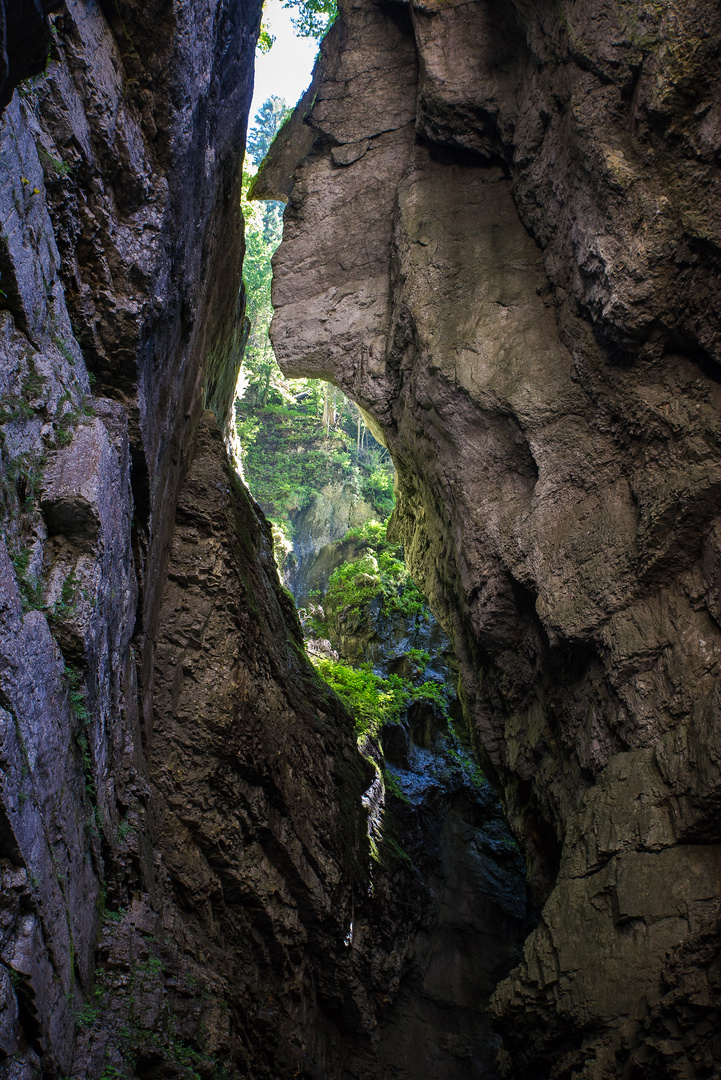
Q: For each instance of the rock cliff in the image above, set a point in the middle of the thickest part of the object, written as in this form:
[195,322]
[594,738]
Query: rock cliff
[181,830]
[501,241]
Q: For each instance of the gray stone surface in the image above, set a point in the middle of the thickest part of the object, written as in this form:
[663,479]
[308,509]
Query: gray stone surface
[507,227]
[523,311]
[120,318]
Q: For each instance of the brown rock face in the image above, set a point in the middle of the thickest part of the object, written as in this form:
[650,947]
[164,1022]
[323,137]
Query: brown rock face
[180,814]
[502,243]
[97,262]
[185,883]
[251,756]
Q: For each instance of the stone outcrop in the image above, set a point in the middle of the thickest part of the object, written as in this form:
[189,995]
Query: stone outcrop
[181,829]
[336,508]
[233,952]
[502,243]
[184,856]
[505,218]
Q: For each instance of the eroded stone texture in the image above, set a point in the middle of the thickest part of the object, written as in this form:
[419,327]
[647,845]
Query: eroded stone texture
[238,956]
[515,288]
[251,754]
[121,318]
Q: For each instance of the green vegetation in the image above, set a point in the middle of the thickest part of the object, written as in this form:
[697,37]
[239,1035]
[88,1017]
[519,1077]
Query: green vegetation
[289,456]
[76,694]
[460,758]
[296,435]
[135,1035]
[125,829]
[31,591]
[376,576]
[64,349]
[373,700]
[67,421]
[267,123]
[378,572]
[115,916]
[61,168]
[14,409]
[263,230]
[20,407]
[375,582]
[78,706]
[65,604]
[312,18]
[86,1015]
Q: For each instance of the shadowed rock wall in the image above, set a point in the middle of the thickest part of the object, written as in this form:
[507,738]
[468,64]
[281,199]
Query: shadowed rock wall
[501,241]
[181,830]
[185,881]
[113,335]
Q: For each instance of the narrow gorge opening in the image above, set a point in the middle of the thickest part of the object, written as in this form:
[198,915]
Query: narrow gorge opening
[443,864]
[501,243]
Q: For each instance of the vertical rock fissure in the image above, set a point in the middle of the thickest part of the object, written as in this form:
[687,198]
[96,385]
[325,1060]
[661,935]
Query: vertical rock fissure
[501,241]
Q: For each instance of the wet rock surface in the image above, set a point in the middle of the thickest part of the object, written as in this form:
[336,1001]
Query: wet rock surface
[450,825]
[510,279]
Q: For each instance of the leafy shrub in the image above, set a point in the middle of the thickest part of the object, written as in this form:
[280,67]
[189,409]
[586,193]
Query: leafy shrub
[419,658]
[312,18]
[378,571]
[373,700]
[377,489]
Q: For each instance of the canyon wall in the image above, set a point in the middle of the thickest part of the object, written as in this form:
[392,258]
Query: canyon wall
[186,882]
[501,240]
[182,839]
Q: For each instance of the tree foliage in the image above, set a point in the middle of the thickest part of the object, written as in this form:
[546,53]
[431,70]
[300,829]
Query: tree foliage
[267,123]
[289,455]
[266,40]
[263,231]
[377,573]
[312,18]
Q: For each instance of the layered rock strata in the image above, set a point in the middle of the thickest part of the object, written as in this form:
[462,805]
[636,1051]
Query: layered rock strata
[113,335]
[181,829]
[501,241]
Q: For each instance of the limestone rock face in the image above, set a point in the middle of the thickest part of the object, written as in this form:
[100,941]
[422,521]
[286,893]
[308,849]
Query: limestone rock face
[181,828]
[258,873]
[502,244]
[184,861]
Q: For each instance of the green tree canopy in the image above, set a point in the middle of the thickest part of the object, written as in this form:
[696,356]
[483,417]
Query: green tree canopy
[312,17]
[268,121]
